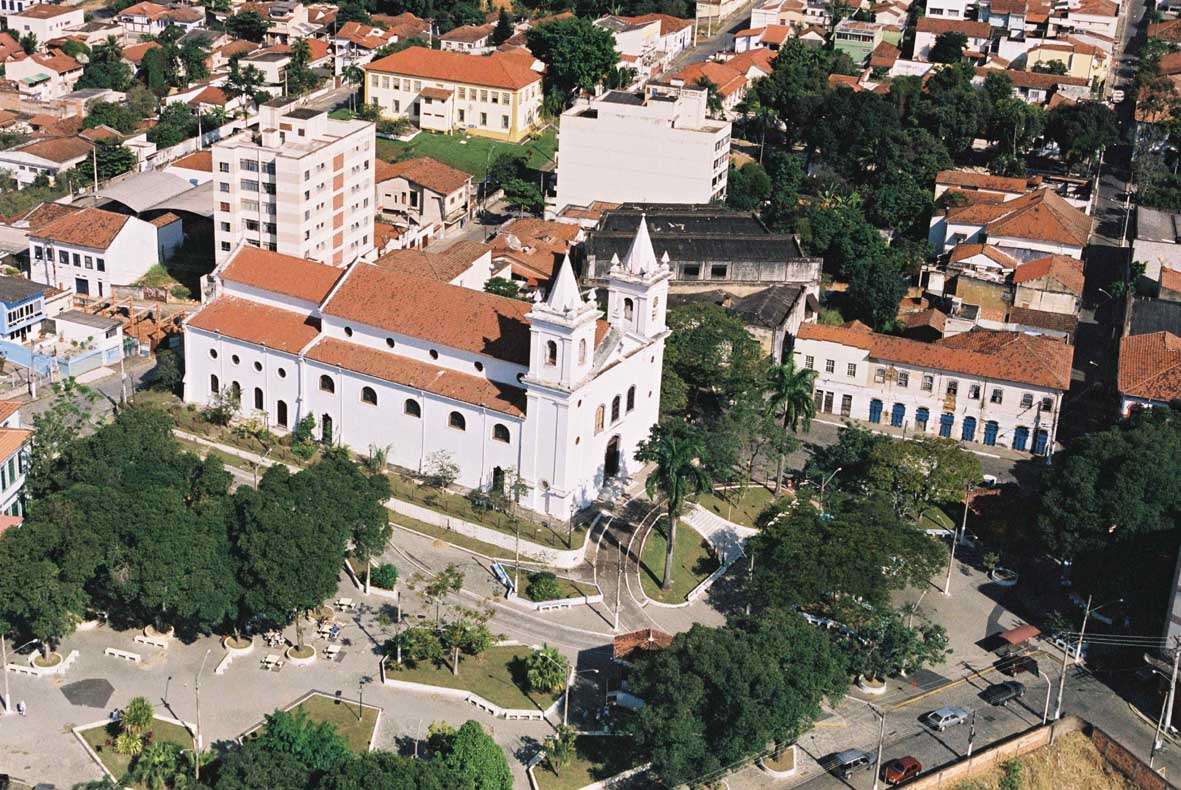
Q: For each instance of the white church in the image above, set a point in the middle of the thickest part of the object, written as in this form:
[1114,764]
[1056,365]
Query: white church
[380,358]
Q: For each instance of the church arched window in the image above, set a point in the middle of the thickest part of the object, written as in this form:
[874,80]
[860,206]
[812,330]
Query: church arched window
[551,352]
[629,309]
[582,351]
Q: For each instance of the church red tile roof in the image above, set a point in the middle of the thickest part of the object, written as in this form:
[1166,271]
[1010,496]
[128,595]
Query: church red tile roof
[252,322]
[284,274]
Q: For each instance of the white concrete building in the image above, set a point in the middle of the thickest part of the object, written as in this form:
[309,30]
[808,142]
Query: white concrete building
[44,77]
[1031,226]
[1158,241]
[949,9]
[659,147]
[88,251]
[44,21]
[10,7]
[379,358]
[301,185]
[997,388]
[14,463]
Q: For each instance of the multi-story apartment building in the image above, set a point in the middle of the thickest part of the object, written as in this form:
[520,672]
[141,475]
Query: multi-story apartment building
[301,184]
[44,21]
[655,147]
[497,95]
[22,307]
[997,388]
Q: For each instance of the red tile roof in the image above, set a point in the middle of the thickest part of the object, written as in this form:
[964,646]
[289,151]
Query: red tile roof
[443,266]
[42,215]
[468,34]
[962,252]
[198,160]
[434,311]
[1037,216]
[12,440]
[58,149]
[987,181]
[884,55]
[243,319]
[8,408]
[1062,268]
[167,218]
[969,28]
[668,24]
[1150,366]
[626,646]
[1170,280]
[724,76]
[285,274]
[150,10]
[365,36]
[496,70]
[412,373]
[91,227]
[46,11]
[210,95]
[430,173]
[1004,356]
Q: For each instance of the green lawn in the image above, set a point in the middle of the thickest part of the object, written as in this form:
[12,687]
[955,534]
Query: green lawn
[692,563]
[935,518]
[343,715]
[498,675]
[450,536]
[596,757]
[468,153]
[568,588]
[102,740]
[742,506]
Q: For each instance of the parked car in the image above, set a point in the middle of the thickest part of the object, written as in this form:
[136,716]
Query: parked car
[1015,665]
[947,716]
[1117,95]
[1070,647]
[901,769]
[1003,693]
[852,761]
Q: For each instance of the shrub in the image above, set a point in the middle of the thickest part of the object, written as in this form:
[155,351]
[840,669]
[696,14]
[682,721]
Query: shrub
[543,586]
[384,576]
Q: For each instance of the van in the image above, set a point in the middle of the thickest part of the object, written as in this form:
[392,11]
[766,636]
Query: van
[852,761]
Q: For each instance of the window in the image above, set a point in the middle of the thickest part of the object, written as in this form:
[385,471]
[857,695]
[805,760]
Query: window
[928,383]
[600,412]
[37,252]
[456,421]
[851,370]
[1047,404]
[101,264]
[281,413]
[500,433]
[479,366]
[631,397]
[504,122]
[1027,400]
[582,351]
[63,256]
[615,409]
[389,341]
[434,354]
[369,395]
[974,392]
[903,379]
[830,365]
[348,331]
[223,167]
[953,388]
[691,271]
[213,353]
[551,353]
[846,405]
[719,271]
[327,385]
[879,375]
[282,373]
[809,362]
[483,119]
[258,366]
[998,395]
[234,358]
[411,408]
[214,385]
[629,309]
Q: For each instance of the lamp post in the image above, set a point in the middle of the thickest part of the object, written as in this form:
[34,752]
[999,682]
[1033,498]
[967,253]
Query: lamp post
[877,767]
[955,538]
[197,737]
[825,482]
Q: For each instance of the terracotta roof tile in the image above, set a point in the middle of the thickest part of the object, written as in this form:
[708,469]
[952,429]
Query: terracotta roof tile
[1037,80]
[1037,216]
[412,373]
[242,319]
[1169,30]
[12,440]
[58,149]
[468,34]
[46,11]
[42,215]
[210,95]
[1043,319]
[91,227]
[1004,356]
[198,160]
[724,76]
[627,646]
[1170,280]
[284,274]
[150,10]
[968,27]
[884,55]
[1066,270]
[962,252]
[434,311]
[531,246]
[430,173]
[1150,366]
[443,266]
[496,70]
[167,218]
[8,408]
[987,181]
[668,24]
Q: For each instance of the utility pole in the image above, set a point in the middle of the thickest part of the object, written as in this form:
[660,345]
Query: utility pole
[1172,685]
[7,694]
[1086,614]
[618,586]
[197,737]
[94,161]
[971,733]
[955,538]
[517,561]
[877,766]
[1157,742]
[1046,709]
[1061,685]
[750,575]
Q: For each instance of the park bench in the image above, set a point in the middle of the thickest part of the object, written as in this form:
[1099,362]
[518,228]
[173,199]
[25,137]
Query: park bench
[126,655]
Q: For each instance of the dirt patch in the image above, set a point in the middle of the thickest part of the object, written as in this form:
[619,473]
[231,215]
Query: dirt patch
[1071,761]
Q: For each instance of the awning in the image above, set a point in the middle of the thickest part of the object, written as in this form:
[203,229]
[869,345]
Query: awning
[1020,634]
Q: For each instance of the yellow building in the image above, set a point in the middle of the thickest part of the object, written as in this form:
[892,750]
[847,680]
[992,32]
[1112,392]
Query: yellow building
[497,95]
[1084,61]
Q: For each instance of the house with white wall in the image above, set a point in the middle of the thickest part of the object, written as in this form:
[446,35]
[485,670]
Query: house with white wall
[1149,370]
[44,157]
[1032,226]
[982,386]
[88,252]
[44,77]
[14,462]
[552,392]
[423,195]
[45,21]
[1053,284]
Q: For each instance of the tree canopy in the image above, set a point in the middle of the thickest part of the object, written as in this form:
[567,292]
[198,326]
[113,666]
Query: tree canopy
[577,54]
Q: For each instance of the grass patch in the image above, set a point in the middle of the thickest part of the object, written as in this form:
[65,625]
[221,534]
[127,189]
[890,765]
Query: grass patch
[342,114]
[498,675]
[568,588]
[102,740]
[469,153]
[596,757]
[935,518]
[227,459]
[342,715]
[692,562]
[1072,761]
[449,536]
[740,505]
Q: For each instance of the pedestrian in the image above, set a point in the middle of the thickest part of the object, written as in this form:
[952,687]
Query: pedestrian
[20,707]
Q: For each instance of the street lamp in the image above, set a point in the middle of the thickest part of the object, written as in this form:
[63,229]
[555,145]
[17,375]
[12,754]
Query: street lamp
[956,537]
[825,482]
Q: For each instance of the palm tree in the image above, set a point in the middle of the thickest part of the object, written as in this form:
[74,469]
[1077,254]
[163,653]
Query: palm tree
[157,765]
[678,473]
[137,716]
[789,391]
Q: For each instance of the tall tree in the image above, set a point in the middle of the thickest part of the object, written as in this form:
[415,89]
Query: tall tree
[106,67]
[678,474]
[1082,131]
[949,47]
[248,25]
[789,395]
[577,54]
[504,27]
[927,470]
[477,761]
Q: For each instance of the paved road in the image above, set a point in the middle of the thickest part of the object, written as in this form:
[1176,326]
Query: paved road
[721,41]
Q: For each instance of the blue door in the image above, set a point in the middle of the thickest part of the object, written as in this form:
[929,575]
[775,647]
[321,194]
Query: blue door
[1040,440]
[969,433]
[1020,438]
[875,410]
[990,431]
[896,415]
[920,420]
[945,425]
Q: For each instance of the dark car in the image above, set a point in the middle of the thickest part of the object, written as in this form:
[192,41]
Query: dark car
[901,769]
[851,761]
[1002,693]
[1015,665]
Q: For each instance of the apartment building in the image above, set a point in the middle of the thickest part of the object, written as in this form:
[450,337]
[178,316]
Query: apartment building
[44,21]
[14,463]
[654,147]
[497,95]
[301,184]
[996,388]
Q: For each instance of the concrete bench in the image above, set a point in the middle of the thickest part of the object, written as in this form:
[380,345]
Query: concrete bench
[151,641]
[24,669]
[126,655]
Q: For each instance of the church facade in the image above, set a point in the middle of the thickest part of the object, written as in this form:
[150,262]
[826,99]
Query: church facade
[553,392]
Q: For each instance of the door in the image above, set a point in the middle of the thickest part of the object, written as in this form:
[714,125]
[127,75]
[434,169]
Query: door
[945,425]
[875,411]
[326,428]
[969,432]
[281,412]
[611,458]
[1040,440]
[990,432]
[497,480]
[920,420]
[897,414]
[1020,438]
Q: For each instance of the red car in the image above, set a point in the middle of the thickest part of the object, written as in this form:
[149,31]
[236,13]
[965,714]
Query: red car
[901,770]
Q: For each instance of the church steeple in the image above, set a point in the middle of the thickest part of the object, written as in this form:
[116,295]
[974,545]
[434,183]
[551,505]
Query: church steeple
[562,332]
[637,287]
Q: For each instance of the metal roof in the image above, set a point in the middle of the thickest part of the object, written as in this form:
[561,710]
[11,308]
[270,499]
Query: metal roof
[145,190]
[196,200]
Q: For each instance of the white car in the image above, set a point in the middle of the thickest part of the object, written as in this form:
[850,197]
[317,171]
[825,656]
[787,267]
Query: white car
[947,716]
